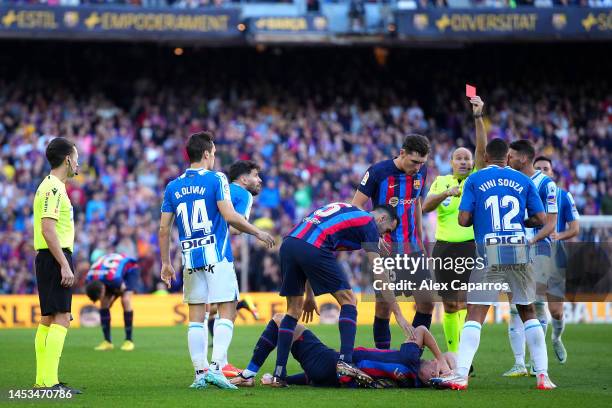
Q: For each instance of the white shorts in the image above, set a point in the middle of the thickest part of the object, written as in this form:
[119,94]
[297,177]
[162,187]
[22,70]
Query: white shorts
[214,283]
[518,278]
[543,267]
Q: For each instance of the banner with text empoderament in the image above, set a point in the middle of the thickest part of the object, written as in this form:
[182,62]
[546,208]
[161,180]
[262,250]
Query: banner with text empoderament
[126,23]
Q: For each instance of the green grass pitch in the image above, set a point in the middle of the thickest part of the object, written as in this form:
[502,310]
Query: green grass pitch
[158,372]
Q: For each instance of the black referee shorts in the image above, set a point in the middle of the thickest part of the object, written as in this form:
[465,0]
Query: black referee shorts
[453,250]
[54,298]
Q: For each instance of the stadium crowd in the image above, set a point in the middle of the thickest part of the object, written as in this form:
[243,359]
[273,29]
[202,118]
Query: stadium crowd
[314,144]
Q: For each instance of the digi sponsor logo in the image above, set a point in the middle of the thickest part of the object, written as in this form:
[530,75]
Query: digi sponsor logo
[197,243]
[506,240]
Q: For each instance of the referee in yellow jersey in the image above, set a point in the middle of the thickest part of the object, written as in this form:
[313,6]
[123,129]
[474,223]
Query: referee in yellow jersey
[452,240]
[54,241]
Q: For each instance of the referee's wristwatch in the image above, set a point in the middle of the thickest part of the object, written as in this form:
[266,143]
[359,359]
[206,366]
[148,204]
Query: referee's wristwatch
[480,115]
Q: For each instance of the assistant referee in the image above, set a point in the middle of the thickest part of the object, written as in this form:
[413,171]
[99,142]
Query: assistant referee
[452,240]
[54,241]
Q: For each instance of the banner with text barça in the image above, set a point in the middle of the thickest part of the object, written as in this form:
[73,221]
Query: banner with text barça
[494,24]
[125,23]
[22,311]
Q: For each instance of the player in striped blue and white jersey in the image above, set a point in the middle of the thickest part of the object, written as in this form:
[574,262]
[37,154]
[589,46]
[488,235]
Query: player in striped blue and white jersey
[200,199]
[522,154]
[567,228]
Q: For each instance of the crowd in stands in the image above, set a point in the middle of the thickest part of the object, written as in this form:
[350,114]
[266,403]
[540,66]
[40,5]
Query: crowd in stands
[314,136]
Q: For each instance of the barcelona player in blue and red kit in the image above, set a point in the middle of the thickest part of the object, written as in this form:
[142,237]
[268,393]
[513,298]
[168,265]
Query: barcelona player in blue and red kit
[110,277]
[308,262]
[400,182]
[401,368]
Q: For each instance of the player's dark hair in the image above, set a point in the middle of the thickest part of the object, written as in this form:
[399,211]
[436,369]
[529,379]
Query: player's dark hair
[497,149]
[543,158]
[198,144]
[390,212]
[241,167]
[57,150]
[525,147]
[94,290]
[417,144]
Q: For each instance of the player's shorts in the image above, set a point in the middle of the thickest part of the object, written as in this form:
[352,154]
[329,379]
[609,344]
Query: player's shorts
[543,266]
[301,261]
[455,251]
[317,360]
[131,280]
[517,279]
[54,298]
[557,278]
[215,283]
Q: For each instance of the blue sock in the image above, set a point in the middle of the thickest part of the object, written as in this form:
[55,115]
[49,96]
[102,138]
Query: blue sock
[105,320]
[348,329]
[263,348]
[128,320]
[382,333]
[421,319]
[285,337]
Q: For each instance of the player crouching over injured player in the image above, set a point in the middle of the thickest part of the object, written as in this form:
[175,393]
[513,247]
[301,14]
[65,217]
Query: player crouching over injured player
[111,277]
[401,368]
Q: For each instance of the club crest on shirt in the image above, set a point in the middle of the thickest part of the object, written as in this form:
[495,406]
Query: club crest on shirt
[416,184]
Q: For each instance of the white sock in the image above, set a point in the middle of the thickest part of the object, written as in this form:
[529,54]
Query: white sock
[248,373]
[197,341]
[558,328]
[468,345]
[542,315]
[534,334]
[224,328]
[516,334]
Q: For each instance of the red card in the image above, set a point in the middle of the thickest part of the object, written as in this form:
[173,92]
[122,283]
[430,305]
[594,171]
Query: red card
[470,91]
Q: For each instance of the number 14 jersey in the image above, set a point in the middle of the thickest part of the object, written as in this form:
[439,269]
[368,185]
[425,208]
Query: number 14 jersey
[203,232]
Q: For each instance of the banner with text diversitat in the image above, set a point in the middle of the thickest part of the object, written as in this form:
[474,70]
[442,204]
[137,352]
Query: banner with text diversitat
[123,23]
[526,23]
[22,311]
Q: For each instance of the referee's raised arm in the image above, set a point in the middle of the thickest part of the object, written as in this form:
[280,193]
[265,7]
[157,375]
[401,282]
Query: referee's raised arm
[54,241]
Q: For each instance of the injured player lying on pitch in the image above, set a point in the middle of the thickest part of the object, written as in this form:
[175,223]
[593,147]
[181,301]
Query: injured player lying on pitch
[400,368]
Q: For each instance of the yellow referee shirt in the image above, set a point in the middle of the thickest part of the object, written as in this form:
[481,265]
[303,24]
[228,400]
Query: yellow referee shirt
[52,201]
[448,228]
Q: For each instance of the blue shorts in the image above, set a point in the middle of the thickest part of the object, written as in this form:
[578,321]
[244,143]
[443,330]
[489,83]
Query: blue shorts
[131,280]
[300,261]
[317,360]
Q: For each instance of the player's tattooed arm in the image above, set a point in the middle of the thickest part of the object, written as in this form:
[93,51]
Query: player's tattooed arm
[550,224]
[240,223]
[481,134]
[465,218]
[536,220]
